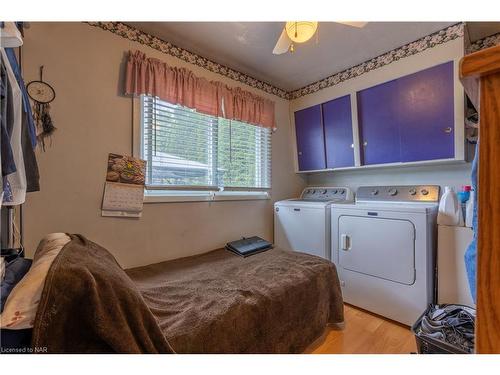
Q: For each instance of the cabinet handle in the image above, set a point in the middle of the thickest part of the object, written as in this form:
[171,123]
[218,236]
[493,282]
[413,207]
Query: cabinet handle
[352,145]
[447,130]
[365,143]
[300,153]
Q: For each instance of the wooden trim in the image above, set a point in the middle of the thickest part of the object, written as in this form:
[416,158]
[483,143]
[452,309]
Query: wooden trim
[484,66]
[182,187]
[481,63]
[488,263]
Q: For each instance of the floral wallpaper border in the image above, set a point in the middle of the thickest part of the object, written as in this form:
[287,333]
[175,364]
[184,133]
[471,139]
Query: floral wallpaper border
[448,34]
[429,41]
[489,41]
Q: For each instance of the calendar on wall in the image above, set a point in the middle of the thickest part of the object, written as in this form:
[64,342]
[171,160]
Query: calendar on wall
[124,187]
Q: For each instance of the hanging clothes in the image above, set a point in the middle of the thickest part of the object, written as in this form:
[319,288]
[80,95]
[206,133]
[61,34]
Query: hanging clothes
[6,110]
[10,36]
[470,256]
[14,187]
[28,131]
[7,164]
[11,55]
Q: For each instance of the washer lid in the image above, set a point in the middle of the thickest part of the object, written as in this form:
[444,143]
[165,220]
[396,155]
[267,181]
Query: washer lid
[302,203]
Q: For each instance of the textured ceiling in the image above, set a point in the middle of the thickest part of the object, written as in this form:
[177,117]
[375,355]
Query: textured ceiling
[480,30]
[247,46]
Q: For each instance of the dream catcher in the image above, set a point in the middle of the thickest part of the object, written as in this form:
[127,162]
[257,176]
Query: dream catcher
[42,95]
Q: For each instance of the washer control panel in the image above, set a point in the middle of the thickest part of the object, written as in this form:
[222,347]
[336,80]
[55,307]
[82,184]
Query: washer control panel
[413,193]
[324,194]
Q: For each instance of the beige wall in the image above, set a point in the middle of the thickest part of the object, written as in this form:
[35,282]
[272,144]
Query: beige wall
[85,66]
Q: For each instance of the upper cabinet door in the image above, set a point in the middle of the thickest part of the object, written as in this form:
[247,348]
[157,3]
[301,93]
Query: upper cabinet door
[337,122]
[378,125]
[310,139]
[425,111]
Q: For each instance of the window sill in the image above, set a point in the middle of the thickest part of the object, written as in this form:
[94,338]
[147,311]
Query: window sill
[171,196]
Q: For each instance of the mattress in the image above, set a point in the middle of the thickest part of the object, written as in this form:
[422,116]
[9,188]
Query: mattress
[272,302]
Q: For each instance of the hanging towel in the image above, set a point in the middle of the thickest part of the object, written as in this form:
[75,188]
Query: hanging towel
[14,185]
[470,256]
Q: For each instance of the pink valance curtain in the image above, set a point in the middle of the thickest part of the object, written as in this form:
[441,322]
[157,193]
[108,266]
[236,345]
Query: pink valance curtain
[180,86]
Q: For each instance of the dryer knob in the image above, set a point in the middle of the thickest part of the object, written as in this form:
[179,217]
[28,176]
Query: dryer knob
[325,191]
[424,191]
[392,192]
[374,191]
[412,191]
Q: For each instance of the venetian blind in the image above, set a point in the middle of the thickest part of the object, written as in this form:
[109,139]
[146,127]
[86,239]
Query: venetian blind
[188,150]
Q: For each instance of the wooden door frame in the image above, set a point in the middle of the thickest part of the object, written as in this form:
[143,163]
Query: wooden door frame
[480,74]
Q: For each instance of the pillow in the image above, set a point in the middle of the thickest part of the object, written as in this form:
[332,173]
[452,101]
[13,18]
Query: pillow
[14,272]
[22,303]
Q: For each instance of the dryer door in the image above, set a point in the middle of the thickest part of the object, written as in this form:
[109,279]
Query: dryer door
[379,247]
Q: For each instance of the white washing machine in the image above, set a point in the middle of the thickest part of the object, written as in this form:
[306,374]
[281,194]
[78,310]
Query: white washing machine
[303,224]
[384,248]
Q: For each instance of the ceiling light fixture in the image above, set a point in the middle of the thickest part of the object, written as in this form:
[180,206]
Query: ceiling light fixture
[301,31]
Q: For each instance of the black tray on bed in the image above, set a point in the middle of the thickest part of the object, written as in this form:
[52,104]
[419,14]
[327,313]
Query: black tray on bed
[249,246]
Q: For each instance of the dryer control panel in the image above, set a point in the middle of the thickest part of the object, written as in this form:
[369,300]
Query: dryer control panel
[410,193]
[325,194]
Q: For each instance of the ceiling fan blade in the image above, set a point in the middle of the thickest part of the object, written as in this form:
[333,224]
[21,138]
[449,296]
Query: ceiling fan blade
[354,24]
[283,44]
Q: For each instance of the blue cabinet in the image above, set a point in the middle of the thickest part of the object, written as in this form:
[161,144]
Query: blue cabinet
[408,119]
[378,125]
[337,122]
[425,112]
[310,139]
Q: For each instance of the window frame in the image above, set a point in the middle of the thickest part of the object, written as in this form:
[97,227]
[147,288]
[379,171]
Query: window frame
[186,194]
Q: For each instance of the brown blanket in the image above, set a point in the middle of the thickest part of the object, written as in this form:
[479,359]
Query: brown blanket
[272,302]
[89,305]
[218,302]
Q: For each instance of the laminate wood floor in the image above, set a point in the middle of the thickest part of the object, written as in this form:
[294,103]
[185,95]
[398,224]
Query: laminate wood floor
[365,333]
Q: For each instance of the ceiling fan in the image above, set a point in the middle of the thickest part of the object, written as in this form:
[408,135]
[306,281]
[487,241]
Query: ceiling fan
[300,32]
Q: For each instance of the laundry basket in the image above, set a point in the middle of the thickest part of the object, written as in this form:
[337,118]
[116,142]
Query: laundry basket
[430,345]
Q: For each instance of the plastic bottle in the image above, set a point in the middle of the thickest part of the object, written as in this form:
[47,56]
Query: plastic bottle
[463,197]
[449,208]
[469,210]
[461,214]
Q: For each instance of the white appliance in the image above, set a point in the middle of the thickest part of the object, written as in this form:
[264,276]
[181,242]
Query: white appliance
[453,284]
[303,224]
[384,249]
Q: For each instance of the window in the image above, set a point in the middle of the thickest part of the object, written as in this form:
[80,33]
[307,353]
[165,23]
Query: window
[187,150]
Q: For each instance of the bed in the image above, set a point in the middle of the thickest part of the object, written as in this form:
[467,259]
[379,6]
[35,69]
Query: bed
[273,302]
